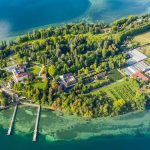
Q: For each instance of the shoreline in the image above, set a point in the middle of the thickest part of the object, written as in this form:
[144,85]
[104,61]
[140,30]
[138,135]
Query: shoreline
[86,16]
[100,128]
[13,35]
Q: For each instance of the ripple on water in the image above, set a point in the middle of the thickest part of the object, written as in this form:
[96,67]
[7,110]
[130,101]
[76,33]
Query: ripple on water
[110,10]
[55,126]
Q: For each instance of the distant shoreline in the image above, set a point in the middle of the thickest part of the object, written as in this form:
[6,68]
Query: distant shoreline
[13,34]
[96,11]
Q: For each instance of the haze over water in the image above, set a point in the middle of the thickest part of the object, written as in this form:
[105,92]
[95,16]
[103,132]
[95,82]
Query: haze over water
[18,16]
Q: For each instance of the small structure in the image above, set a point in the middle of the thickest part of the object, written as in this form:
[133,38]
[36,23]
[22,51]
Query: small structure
[130,70]
[137,66]
[68,80]
[131,61]
[10,84]
[29,46]
[140,76]
[148,73]
[135,56]
[100,75]
[20,73]
[139,20]
[142,66]
[10,68]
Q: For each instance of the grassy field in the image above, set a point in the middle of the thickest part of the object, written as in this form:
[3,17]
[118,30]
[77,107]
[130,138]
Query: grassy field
[146,50]
[115,75]
[122,89]
[143,38]
[39,84]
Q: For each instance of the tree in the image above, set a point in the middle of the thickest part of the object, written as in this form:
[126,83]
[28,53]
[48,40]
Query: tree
[52,70]
[50,98]
[104,53]
[54,85]
[3,102]
[44,98]
[37,95]
[118,106]
[119,103]
[3,99]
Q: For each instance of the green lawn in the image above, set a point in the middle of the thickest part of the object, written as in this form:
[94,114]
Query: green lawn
[122,89]
[34,70]
[39,84]
[115,75]
[146,50]
[143,39]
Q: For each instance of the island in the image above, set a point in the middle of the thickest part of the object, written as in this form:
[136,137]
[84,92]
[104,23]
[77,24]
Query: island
[85,69]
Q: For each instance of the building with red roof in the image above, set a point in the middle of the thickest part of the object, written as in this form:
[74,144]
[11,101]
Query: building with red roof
[20,73]
[141,76]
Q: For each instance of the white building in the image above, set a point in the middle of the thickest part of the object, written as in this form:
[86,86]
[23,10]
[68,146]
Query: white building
[130,70]
[20,73]
[142,66]
[135,56]
[68,80]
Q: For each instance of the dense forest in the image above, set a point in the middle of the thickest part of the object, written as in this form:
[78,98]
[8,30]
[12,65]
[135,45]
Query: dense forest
[4,99]
[81,49]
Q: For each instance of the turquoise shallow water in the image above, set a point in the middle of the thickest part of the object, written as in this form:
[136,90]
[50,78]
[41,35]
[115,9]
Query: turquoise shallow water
[19,16]
[64,132]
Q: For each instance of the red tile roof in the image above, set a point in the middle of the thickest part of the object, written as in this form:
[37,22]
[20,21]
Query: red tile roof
[21,75]
[141,76]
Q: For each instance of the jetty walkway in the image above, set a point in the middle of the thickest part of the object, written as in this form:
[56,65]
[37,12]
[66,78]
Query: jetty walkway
[12,120]
[36,124]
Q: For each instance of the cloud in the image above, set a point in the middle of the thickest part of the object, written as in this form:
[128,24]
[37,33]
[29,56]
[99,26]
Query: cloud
[5,29]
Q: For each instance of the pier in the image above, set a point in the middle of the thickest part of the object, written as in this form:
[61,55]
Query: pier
[36,125]
[12,120]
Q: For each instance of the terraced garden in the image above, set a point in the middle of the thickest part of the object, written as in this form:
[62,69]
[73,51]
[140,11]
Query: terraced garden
[121,90]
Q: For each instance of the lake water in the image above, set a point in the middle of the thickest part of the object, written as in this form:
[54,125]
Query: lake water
[19,16]
[64,132]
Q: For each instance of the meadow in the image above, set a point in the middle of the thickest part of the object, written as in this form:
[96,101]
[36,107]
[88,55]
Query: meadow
[143,39]
[123,89]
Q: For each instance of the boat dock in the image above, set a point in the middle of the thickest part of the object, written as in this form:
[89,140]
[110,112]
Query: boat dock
[12,120]
[36,128]
[36,124]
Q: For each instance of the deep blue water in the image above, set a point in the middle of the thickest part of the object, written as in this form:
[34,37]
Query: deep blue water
[17,16]
[20,15]
[98,143]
